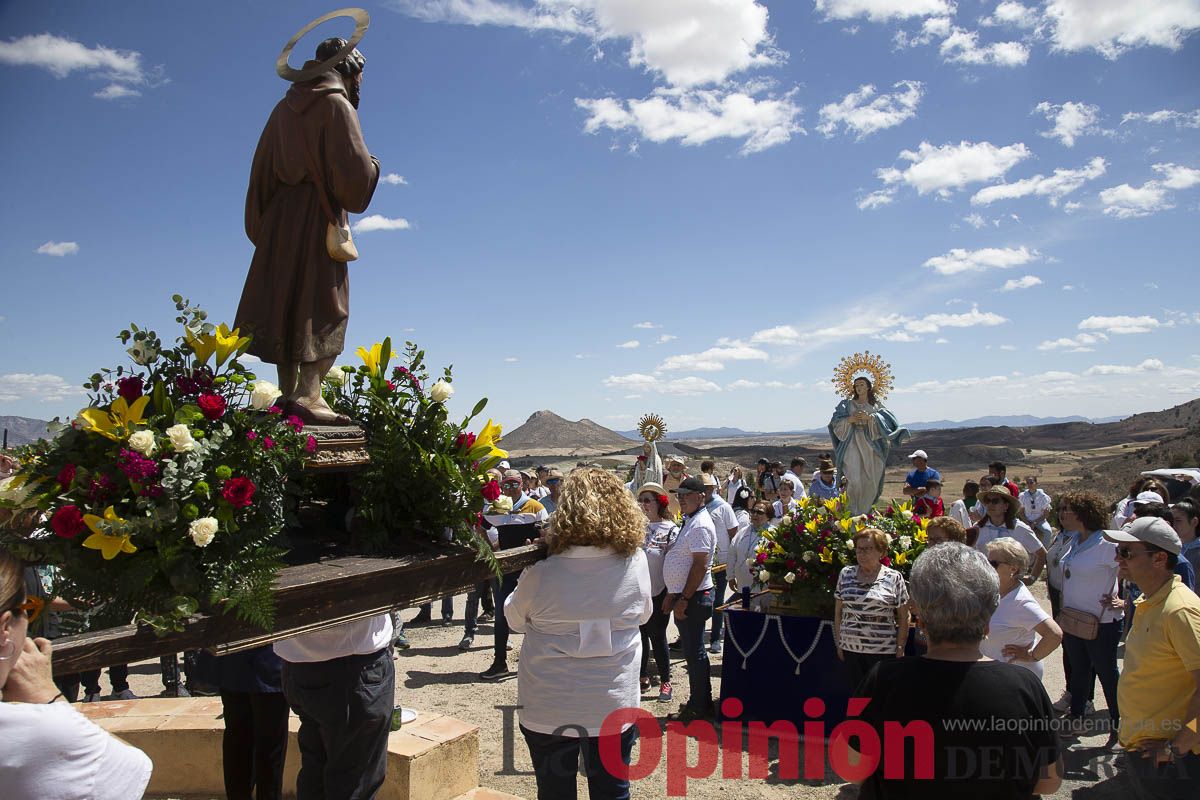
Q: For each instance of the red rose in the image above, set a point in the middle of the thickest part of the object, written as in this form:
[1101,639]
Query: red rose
[130,388]
[67,522]
[212,406]
[310,445]
[887,562]
[490,491]
[791,563]
[238,492]
[66,476]
[296,423]
[268,443]
[465,441]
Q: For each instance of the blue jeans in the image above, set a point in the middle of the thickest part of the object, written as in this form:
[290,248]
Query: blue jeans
[556,762]
[1178,779]
[501,588]
[720,584]
[1091,660]
[447,608]
[691,635]
[481,593]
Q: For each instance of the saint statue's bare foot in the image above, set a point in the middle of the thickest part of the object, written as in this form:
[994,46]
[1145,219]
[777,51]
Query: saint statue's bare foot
[315,412]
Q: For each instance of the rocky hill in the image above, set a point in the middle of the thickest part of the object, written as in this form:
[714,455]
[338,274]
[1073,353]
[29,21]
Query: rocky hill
[546,432]
[23,430]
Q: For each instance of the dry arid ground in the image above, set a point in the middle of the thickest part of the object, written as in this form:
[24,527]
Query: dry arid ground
[434,675]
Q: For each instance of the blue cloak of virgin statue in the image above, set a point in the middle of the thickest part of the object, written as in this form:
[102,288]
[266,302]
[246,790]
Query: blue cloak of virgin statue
[863,434]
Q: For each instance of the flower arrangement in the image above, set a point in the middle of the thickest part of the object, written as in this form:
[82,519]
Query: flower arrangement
[167,491]
[427,472]
[800,557]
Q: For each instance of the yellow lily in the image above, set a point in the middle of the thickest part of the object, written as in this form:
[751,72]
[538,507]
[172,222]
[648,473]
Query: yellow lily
[119,420]
[805,502]
[831,504]
[228,342]
[826,555]
[811,526]
[901,559]
[109,544]
[485,443]
[845,524]
[921,536]
[203,344]
[373,357]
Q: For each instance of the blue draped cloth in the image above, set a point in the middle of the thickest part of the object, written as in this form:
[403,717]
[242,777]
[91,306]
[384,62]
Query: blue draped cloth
[861,451]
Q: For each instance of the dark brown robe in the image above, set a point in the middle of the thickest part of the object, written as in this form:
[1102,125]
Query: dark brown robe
[296,301]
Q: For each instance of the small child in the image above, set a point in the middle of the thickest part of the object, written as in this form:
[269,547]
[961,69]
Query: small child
[930,505]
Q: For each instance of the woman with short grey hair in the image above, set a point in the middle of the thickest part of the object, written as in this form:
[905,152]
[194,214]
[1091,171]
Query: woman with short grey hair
[1021,632]
[955,591]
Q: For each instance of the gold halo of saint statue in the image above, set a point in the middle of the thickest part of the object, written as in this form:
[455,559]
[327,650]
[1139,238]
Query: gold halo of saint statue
[865,364]
[652,427]
[362,20]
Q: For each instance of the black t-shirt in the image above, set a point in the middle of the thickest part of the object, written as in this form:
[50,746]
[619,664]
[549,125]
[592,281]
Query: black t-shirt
[993,727]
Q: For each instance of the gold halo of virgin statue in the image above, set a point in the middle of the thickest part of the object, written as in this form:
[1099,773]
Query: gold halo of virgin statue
[652,427]
[862,430]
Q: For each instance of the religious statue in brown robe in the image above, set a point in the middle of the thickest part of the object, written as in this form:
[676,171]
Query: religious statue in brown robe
[296,301]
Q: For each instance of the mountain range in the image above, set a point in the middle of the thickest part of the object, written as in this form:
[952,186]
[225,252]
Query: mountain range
[1013,421]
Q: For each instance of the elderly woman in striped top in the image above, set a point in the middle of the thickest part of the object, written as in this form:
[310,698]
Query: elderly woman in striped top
[870,616]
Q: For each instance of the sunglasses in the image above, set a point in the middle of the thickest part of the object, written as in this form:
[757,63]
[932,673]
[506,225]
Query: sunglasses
[32,608]
[645,500]
[511,483]
[553,480]
[995,501]
[758,513]
[1128,552]
[996,563]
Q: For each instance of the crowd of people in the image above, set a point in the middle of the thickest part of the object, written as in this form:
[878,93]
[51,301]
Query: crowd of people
[624,565]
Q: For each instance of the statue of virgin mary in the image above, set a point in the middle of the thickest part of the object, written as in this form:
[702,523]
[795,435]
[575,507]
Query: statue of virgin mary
[862,430]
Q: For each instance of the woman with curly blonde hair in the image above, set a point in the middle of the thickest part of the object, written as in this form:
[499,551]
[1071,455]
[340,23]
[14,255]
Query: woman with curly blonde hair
[581,611]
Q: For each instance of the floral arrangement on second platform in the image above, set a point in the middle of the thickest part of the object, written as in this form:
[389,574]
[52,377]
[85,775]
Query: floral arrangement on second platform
[167,491]
[427,472]
[801,556]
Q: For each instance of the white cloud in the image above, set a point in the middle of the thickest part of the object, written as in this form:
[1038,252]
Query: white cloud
[1083,343]
[58,249]
[1149,365]
[1013,14]
[1071,120]
[932,323]
[392,179]
[1061,183]
[632,344]
[876,199]
[378,222]
[952,385]
[1026,282]
[29,386]
[1181,119]
[1113,26]
[742,383]
[712,359]
[963,47]
[696,117]
[640,382]
[115,91]
[900,337]
[952,166]
[975,220]
[582,356]
[780,334]
[883,10]
[864,112]
[666,337]
[511,360]
[961,260]
[646,326]
[1120,324]
[1126,202]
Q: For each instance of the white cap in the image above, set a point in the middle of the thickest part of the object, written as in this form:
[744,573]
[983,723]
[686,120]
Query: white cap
[503,465]
[1151,530]
[1147,497]
[920,454]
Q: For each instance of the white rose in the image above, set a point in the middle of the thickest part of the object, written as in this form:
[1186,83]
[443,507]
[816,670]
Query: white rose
[181,438]
[203,530]
[763,576]
[849,544]
[809,555]
[906,514]
[905,542]
[143,442]
[264,394]
[790,577]
[440,392]
[786,522]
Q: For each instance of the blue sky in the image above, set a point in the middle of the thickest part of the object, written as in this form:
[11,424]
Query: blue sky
[610,207]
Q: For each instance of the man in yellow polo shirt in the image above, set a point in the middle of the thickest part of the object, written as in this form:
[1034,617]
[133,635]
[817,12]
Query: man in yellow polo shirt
[1159,690]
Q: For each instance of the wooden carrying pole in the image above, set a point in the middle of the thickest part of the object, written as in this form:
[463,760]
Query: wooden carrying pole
[309,597]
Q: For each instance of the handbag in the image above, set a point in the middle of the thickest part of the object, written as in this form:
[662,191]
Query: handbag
[339,244]
[1078,623]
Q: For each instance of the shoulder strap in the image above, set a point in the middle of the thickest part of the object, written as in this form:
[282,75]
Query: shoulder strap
[318,179]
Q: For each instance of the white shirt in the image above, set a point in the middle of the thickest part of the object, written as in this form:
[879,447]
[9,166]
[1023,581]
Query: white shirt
[797,482]
[52,752]
[1035,504]
[1020,531]
[958,511]
[1012,623]
[731,489]
[741,550]
[779,510]
[659,536]
[580,611]
[724,521]
[359,637]
[538,492]
[697,536]
[1092,570]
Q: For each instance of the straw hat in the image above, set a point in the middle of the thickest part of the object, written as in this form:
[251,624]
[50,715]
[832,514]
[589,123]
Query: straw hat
[1014,504]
